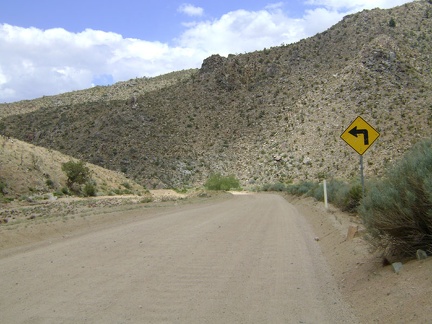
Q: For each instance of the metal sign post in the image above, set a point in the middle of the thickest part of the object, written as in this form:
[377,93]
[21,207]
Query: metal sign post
[362,176]
[360,136]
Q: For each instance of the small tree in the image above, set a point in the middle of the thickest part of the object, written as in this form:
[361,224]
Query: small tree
[392,22]
[76,172]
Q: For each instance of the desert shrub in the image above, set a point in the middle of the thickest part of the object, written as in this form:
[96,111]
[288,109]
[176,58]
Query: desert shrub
[278,186]
[49,183]
[337,191]
[3,186]
[317,192]
[3,191]
[76,172]
[353,198]
[146,200]
[344,195]
[89,190]
[219,182]
[398,209]
[126,185]
[301,188]
[58,193]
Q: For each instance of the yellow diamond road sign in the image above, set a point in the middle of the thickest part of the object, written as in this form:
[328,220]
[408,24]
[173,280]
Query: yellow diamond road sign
[360,135]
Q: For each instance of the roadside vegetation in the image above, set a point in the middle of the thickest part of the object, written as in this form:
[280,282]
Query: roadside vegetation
[217,181]
[341,194]
[396,208]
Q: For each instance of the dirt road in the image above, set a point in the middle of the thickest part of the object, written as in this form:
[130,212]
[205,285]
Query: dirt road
[248,259]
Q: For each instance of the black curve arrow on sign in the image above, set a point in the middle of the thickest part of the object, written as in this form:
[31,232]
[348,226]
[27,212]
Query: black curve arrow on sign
[355,132]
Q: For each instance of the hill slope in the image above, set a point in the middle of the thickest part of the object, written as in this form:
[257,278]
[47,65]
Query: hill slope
[27,170]
[267,116]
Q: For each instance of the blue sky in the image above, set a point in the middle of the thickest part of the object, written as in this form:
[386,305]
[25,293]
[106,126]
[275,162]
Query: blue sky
[51,46]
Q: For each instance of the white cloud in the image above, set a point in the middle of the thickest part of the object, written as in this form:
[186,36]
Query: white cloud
[319,19]
[43,62]
[349,5]
[38,62]
[3,78]
[241,31]
[191,10]
[275,5]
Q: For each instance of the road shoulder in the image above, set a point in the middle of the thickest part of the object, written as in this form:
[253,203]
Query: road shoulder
[374,291]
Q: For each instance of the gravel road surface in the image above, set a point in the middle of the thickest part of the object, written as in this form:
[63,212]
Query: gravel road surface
[248,259]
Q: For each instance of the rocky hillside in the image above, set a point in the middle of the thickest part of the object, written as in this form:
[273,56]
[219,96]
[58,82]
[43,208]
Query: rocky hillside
[29,172]
[126,90]
[267,116]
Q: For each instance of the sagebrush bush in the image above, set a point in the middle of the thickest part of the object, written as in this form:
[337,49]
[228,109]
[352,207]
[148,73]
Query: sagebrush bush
[219,182]
[337,192]
[317,192]
[398,209]
[278,186]
[346,196]
[301,188]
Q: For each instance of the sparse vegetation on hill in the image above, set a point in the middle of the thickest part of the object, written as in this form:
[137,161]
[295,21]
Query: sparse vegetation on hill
[269,116]
[126,91]
[29,172]
[78,174]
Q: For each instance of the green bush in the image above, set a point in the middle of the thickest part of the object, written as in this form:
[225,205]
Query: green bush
[219,182]
[127,185]
[58,193]
[398,209]
[353,198]
[301,188]
[76,172]
[278,186]
[49,183]
[346,196]
[3,186]
[89,190]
